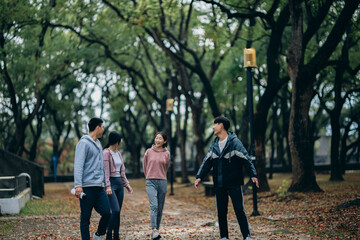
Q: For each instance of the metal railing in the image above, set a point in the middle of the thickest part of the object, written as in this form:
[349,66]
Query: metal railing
[10,186]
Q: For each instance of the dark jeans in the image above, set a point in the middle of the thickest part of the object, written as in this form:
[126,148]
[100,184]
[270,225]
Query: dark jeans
[116,200]
[96,197]
[222,200]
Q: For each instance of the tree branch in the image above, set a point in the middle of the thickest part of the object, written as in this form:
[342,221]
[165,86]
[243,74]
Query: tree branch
[313,27]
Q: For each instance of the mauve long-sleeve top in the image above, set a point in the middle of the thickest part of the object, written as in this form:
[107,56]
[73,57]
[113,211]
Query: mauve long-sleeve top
[156,163]
[110,168]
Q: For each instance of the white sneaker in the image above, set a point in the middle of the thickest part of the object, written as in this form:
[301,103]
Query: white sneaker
[248,238]
[224,238]
[155,234]
[96,237]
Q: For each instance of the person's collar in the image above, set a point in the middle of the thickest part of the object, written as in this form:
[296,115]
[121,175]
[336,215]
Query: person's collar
[158,150]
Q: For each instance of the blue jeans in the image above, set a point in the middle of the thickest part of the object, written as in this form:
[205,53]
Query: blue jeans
[116,200]
[222,201]
[156,190]
[96,197]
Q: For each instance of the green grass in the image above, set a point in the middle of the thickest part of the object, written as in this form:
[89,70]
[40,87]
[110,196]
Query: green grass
[57,201]
[42,207]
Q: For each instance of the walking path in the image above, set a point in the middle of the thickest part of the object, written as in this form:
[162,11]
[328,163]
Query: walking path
[180,221]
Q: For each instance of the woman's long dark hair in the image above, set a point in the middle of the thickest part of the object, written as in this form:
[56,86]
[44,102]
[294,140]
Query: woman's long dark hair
[114,137]
[164,135]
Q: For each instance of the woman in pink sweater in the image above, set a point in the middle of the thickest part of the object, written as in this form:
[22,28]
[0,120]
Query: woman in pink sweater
[155,165]
[115,177]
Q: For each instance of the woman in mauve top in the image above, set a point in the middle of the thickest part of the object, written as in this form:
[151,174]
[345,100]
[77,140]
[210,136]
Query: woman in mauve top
[116,178]
[155,165]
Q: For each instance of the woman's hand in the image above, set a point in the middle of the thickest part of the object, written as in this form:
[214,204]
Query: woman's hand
[108,191]
[129,189]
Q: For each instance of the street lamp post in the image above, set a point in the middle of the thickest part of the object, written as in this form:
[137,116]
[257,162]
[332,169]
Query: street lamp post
[169,109]
[250,62]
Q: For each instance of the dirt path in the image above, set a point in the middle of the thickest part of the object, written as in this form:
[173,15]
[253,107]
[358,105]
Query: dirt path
[180,221]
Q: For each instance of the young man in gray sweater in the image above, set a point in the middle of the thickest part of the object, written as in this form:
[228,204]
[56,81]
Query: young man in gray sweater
[89,178]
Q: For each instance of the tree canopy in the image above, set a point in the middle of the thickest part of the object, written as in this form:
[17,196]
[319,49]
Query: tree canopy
[63,62]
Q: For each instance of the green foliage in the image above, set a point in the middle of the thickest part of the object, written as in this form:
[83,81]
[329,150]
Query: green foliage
[130,51]
[282,190]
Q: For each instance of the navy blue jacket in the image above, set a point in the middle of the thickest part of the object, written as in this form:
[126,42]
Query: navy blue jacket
[227,165]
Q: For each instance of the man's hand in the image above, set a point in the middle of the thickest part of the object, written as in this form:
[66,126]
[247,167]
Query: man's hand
[78,191]
[197,182]
[255,180]
[108,191]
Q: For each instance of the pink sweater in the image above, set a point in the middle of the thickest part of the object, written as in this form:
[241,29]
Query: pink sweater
[110,168]
[156,163]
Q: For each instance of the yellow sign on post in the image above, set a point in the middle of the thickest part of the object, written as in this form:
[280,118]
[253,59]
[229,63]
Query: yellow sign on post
[169,104]
[249,57]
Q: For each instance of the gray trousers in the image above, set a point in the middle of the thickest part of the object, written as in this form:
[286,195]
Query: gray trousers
[156,190]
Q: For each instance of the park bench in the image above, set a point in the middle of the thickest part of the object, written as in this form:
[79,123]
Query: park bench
[209,188]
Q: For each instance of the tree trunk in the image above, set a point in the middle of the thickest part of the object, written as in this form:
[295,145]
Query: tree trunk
[182,140]
[260,126]
[303,179]
[336,173]
[285,127]
[303,175]
[336,168]
[264,104]
[272,149]
[279,143]
[184,172]
[275,142]
[345,148]
[198,127]
[259,132]
[135,160]
[16,143]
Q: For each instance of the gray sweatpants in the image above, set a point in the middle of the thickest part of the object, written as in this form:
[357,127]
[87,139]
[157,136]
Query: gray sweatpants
[156,190]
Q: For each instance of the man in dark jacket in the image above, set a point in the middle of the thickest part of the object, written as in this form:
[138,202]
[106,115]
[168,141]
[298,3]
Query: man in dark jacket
[227,156]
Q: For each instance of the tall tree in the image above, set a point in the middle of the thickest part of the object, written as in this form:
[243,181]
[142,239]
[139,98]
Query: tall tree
[59,115]
[302,78]
[170,26]
[276,24]
[27,72]
[350,145]
[342,90]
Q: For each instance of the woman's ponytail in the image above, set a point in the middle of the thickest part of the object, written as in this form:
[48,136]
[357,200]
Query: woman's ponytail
[114,137]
